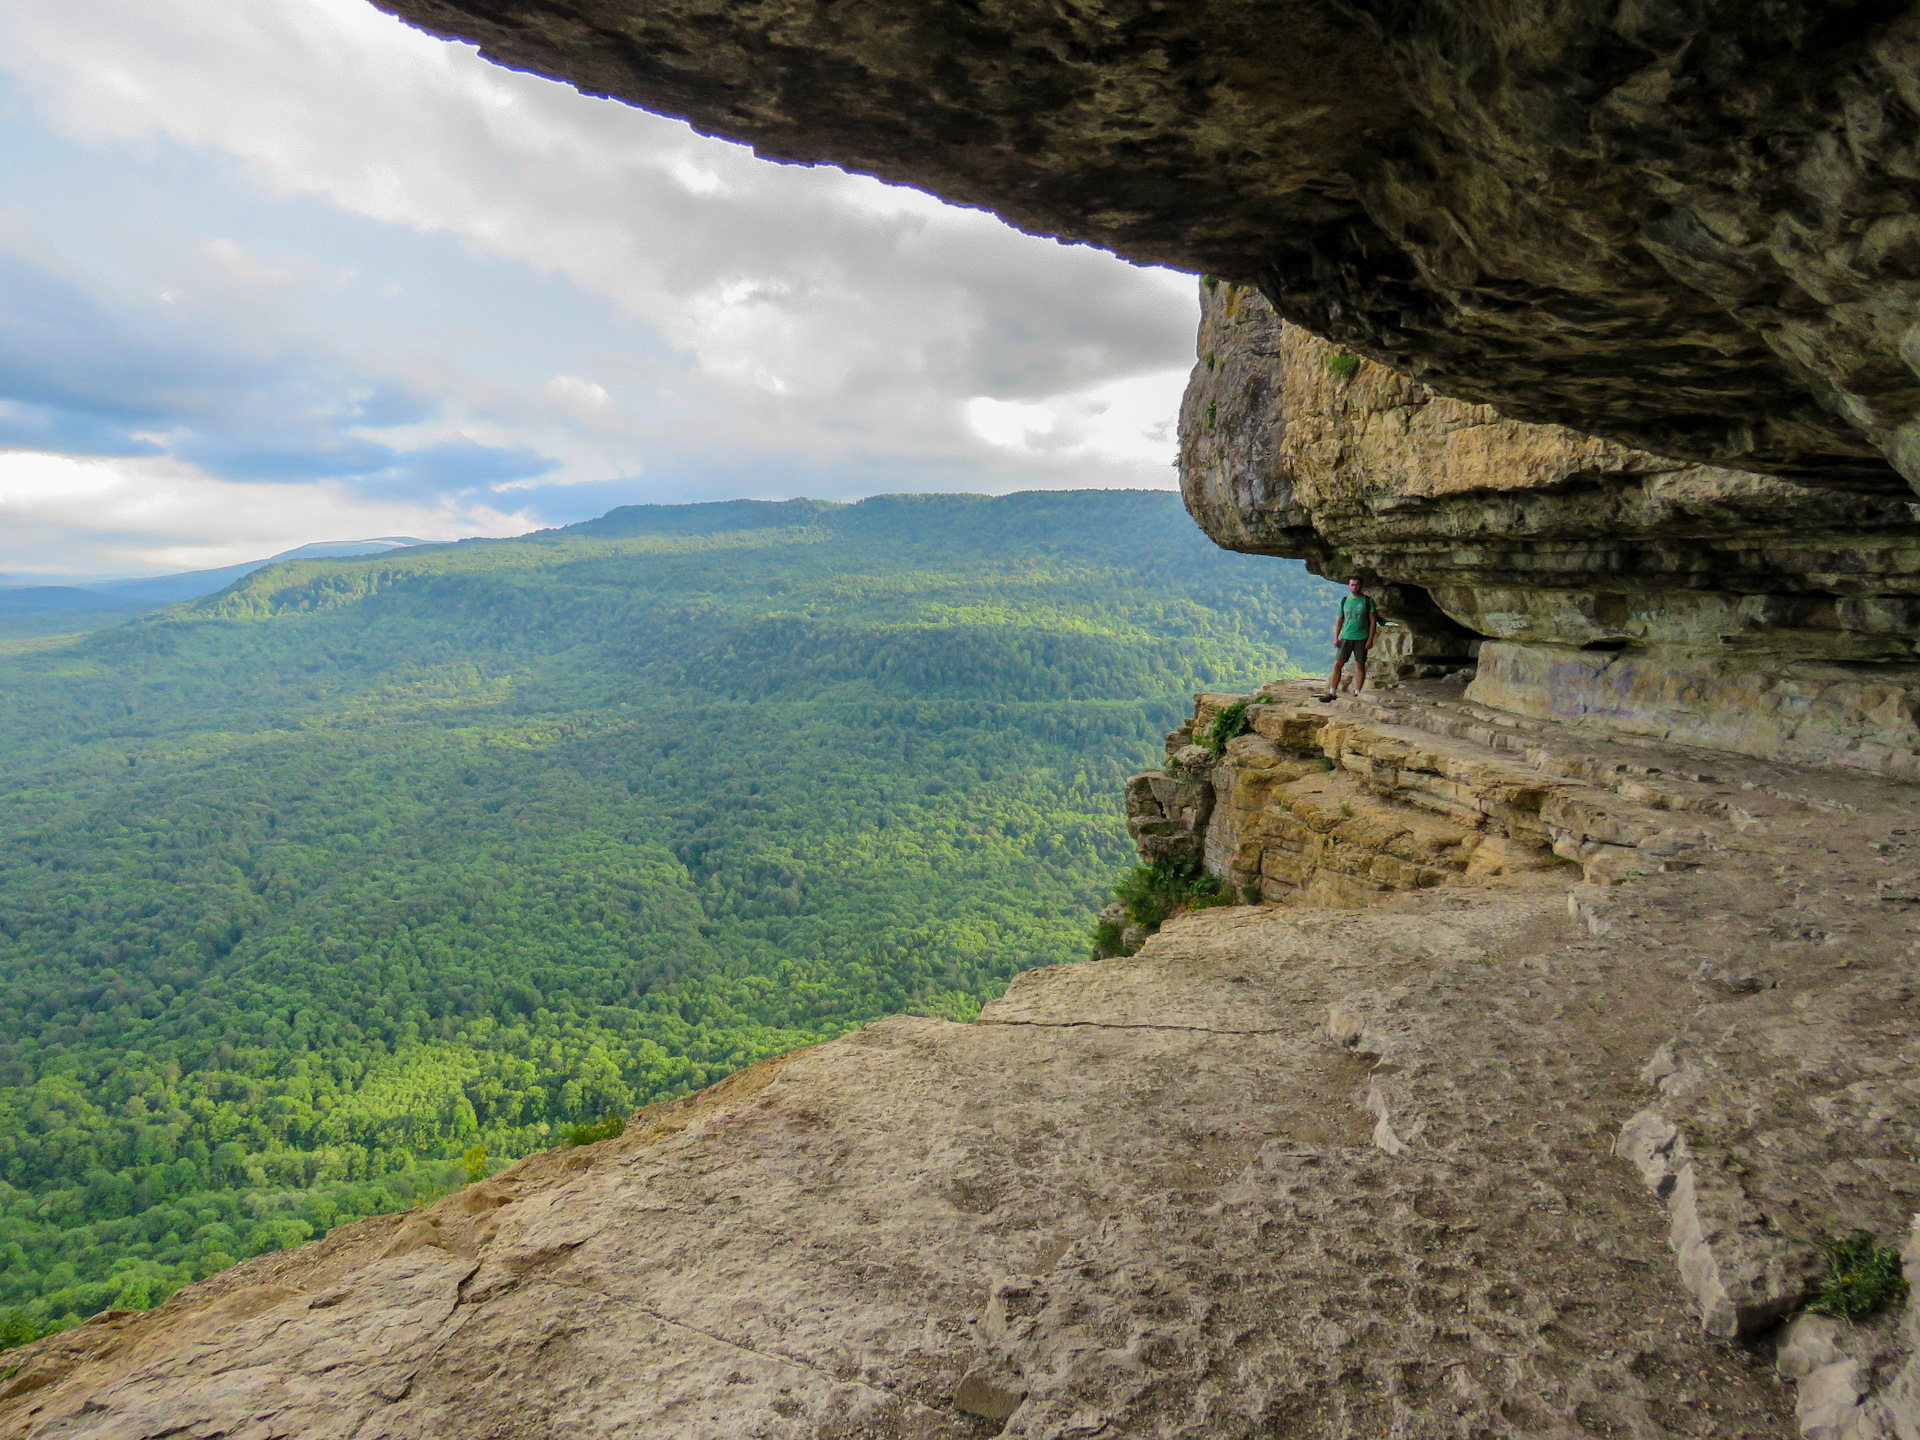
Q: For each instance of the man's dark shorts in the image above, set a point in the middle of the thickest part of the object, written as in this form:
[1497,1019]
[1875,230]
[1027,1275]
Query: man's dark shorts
[1354,650]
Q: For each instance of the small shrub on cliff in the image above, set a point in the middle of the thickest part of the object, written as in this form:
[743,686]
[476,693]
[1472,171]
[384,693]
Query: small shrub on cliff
[1861,1278]
[1106,940]
[1230,724]
[1213,409]
[1344,367]
[605,1128]
[17,1328]
[1153,892]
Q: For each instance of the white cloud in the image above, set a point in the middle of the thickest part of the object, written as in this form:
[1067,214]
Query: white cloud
[813,324]
[1123,422]
[161,513]
[582,399]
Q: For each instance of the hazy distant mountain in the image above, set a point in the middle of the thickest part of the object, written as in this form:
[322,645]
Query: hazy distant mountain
[165,589]
[30,607]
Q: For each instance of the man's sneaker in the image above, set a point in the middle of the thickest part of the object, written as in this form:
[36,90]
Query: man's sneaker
[1326,699]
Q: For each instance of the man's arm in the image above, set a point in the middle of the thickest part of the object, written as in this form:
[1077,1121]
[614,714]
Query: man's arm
[1373,622]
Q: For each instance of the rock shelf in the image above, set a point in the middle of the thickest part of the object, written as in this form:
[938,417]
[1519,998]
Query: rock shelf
[1514,1153]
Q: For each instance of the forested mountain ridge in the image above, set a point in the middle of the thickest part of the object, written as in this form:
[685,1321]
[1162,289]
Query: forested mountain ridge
[313,886]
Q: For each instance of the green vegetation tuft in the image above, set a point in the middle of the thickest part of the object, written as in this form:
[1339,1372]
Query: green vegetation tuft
[1862,1277]
[1106,940]
[1344,366]
[18,1328]
[1230,724]
[606,1128]
[1154,892]
[310,889]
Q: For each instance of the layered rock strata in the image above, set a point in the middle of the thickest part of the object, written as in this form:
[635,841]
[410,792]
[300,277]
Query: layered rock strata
[1572,578]
[1341,806]
[1689,228]
[1508,1154]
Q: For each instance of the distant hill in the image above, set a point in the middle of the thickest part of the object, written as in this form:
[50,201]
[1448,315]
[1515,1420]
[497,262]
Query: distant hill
[316,886]
[28,609]
[152,590]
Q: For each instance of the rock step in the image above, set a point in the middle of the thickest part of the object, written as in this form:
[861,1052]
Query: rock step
[1665,773]
[1338,805]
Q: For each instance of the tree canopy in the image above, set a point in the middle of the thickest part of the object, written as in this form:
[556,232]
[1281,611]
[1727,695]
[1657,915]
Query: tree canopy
[311,889]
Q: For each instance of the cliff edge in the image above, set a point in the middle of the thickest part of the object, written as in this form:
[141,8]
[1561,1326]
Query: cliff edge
[1568,1019]
[1420,1147]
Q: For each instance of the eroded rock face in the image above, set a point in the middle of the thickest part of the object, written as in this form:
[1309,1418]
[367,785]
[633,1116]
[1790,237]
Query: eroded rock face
[1691,228]
[1589,581]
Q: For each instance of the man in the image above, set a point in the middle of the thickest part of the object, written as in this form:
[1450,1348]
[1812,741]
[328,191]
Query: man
[1353,631]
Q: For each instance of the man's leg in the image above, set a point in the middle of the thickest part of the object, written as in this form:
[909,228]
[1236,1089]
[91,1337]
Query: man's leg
[1359,671]
[1333,680]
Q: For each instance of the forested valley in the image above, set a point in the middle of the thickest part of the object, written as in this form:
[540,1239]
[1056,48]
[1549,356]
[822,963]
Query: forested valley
[329,892]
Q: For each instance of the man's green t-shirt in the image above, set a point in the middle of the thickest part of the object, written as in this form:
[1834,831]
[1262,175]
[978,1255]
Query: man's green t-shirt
[1356,616]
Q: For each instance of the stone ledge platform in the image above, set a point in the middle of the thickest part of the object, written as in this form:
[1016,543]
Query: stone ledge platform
[1521,1137]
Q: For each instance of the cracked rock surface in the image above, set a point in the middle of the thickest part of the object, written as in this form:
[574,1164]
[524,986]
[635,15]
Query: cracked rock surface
[1154,1196]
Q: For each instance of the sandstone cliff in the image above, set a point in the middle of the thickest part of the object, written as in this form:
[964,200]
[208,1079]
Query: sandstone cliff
[1588,581]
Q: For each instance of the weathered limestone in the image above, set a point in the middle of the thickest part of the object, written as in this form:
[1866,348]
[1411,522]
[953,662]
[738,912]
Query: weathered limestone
[1282,1172]
[1811,711]
[1339,807]
[1572,578]
[1783,1110]
[1689,228]
[1164,809]
[1336,1172]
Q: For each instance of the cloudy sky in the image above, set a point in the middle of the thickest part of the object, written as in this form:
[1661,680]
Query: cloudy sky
[276,271]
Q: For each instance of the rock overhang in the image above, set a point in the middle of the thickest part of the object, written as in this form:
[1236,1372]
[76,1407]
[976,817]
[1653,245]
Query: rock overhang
[1688,229]
[1625,298]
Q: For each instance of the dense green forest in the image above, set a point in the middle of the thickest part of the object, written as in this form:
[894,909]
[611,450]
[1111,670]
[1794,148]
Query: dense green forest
[312,890]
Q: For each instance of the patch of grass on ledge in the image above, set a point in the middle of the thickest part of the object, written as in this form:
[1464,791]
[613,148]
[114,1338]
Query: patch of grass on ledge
[605,1128]
[1862,1277]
